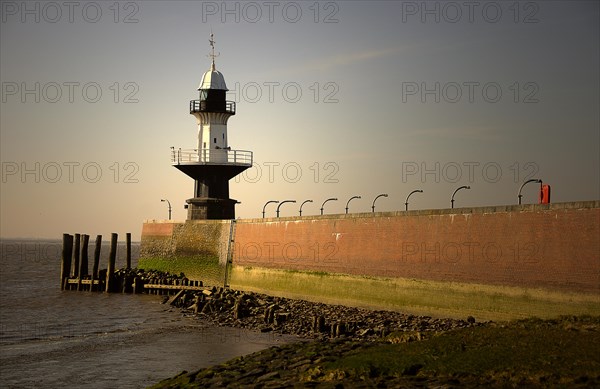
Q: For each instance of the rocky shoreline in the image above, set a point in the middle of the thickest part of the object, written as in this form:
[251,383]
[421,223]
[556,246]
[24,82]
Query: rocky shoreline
[297,365]
[340,346]
[331,331]
[310,320]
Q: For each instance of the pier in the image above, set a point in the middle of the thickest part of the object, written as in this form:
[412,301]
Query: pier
[75,274]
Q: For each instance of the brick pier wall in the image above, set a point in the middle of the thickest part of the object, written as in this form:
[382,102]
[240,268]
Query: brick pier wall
[555,246]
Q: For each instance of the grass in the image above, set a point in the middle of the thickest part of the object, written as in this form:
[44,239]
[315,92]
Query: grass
[442,299]
[524,351]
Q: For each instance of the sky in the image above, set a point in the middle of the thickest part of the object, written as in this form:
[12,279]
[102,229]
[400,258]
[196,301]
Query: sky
[335,99]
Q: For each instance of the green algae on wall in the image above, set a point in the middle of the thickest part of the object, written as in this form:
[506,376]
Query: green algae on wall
[197,249]
[444,299]
[204,268]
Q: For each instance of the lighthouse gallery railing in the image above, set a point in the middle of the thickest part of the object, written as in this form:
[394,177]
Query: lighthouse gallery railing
[218,156]
[211,106]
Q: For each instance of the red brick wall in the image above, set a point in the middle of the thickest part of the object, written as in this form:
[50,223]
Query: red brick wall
[157,229]
[555,246]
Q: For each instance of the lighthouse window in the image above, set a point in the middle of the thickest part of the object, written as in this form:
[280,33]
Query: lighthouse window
[215,140]
[223,136]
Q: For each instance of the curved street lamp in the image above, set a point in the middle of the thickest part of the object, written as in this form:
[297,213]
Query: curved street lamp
[283,202]
[462,187]
[373,205]
[169,204]
[267,203]
[525,183]
[330,199]
[351,198]
[304,202]
[414,191]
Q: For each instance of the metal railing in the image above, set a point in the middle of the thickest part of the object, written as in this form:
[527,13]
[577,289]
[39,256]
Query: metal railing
[211,106]
[211,156]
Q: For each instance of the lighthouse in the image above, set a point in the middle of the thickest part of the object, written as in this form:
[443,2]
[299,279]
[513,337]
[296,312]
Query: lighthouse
[212,163]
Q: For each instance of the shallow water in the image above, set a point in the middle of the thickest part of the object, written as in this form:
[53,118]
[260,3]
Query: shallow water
[52,338]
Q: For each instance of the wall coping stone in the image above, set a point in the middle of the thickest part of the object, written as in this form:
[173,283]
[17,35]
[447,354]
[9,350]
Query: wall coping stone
[593,204]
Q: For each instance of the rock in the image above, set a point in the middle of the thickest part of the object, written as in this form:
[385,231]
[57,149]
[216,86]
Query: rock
[260,371]
[268,376]
[239,311]
[471,319]
[281,318]
[301,363]
[270,313]
[192,376]
[412,370]
[198,304]
[338,329]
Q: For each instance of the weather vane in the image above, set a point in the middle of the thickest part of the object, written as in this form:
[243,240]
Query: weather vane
[212,53]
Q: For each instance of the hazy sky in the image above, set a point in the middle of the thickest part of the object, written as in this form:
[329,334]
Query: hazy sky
[335,99]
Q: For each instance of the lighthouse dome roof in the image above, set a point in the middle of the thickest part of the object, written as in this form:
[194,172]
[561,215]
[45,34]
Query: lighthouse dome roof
[213,79]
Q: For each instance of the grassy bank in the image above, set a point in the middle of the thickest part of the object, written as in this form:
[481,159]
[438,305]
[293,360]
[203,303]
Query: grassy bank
[532,352]
[442,299]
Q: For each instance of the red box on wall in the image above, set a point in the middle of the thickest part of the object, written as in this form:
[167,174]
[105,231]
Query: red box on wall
[545,194]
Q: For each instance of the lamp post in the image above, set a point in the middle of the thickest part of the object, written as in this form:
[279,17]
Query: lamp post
[373,205]
[414,191]
[169,204]
[330,199]
[351,198]
[267,203]
[525,183]
[283,202]
[462,187]
[304,202]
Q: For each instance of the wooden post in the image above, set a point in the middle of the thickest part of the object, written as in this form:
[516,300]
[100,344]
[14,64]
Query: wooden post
[96,261]
[85,271]
[76,257]
[83,268]
[128,240]
[138,285]
[65,265]
[110,273]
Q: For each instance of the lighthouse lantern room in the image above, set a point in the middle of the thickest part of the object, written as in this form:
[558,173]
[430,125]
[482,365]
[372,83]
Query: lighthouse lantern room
[212,163]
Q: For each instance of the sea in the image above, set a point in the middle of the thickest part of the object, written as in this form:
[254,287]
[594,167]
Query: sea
[54,339]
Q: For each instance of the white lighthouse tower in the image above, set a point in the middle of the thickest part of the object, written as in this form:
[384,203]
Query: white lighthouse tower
[212,112]
[212,163]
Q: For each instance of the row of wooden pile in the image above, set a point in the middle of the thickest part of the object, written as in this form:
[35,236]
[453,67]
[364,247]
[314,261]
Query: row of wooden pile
[75,274]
